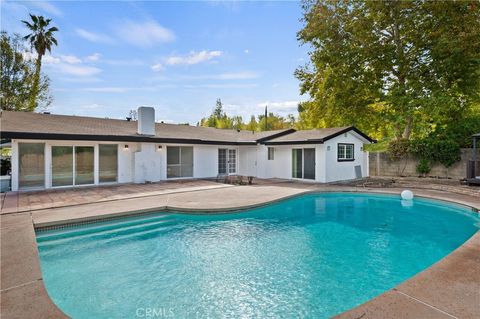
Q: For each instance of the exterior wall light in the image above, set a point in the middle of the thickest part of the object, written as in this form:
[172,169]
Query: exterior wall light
[126,147]
[328,148]
[159,148]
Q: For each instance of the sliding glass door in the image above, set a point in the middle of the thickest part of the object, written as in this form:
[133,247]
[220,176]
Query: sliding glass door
[309,163]
[297,163]
[108,163]
[31,165]
[72,165]
[62,165]
[179,161]
[84,165]
[303,163]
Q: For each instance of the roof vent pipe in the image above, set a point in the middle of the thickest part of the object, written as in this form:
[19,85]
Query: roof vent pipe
[146,120]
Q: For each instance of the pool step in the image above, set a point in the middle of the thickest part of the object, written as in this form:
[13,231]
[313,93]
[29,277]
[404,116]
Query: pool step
[112,229]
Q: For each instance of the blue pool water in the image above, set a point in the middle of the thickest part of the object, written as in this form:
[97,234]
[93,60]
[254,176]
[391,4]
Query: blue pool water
[309,257]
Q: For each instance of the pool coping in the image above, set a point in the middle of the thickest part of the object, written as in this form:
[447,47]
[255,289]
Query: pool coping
[28,296]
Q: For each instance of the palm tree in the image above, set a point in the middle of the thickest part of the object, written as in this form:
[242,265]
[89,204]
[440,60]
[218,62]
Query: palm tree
[41,39]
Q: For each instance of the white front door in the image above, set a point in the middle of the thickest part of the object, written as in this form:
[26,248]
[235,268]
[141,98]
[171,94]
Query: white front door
[227,161]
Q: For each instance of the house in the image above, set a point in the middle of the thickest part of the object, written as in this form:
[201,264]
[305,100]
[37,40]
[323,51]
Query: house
[62,151]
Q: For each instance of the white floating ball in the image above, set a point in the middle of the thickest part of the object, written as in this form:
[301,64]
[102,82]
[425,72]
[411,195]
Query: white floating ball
[407,195]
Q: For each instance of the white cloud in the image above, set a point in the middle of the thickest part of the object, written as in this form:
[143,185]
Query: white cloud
[70,59]
[246,51]
[93,57]
[77,70]
[47,7]
[193,57]
[126,62]
[245,75]
[94,37]
[144,34]
[158,67]
[66,64]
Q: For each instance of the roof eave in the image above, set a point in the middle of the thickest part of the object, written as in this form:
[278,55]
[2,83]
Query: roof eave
[116,138]
[315,141]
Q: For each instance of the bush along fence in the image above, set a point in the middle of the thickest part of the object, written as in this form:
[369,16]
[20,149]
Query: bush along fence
[404,163]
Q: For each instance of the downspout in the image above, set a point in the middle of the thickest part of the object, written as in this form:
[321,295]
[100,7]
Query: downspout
[474,156]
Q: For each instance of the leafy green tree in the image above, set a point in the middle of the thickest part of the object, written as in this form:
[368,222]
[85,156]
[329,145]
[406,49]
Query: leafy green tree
[389,67]
[17,77]
[41,39]
[252,125]
[272,122]
[219,119]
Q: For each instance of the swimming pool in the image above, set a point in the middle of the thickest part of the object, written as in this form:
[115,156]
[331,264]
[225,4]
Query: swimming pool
[312,256]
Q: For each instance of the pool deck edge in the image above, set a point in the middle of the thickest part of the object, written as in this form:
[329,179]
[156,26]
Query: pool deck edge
[448,289]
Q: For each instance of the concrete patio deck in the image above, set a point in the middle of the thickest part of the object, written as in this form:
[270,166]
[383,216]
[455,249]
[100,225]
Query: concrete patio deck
[449,289]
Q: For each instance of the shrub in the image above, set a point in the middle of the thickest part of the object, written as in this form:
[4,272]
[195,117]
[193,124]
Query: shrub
[398,149]
[423,167]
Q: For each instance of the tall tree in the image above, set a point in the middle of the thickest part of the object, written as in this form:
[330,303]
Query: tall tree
[252,125]
[41,39]
[398,66]
[17,74]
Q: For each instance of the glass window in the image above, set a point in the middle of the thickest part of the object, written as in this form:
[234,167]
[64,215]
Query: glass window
[179,161]
[173,155]
[345,152]
[186,161]
[232,161]
[271,153]
[31,165]
[62,165]
[297,162]
[108,163]
[222,161]
[84,166]
[309,163]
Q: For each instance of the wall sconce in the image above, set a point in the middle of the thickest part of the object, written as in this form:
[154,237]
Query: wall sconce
[125,147]
[328,148]
[361,148]
[159,148]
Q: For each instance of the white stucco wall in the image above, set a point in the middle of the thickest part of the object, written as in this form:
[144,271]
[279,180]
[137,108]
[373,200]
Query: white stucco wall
[126,168]
[281,165]
[336,170]
[247,160]
[147,163]
[142,162]
[205,161]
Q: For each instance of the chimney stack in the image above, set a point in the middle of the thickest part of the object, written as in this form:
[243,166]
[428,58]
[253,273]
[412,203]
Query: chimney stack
[146,120]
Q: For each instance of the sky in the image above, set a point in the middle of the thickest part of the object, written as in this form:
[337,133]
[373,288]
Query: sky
[177,56]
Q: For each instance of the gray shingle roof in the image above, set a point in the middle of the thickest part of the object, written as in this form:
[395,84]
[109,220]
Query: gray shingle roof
[66,127]
[314,136]
[21,124]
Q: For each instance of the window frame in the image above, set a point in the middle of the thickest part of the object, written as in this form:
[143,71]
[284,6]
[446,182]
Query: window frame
[345,158]
[271,153]
[180,163]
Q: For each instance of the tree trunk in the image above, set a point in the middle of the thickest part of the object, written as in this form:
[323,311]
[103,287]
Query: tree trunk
[36,84]
[408,128]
